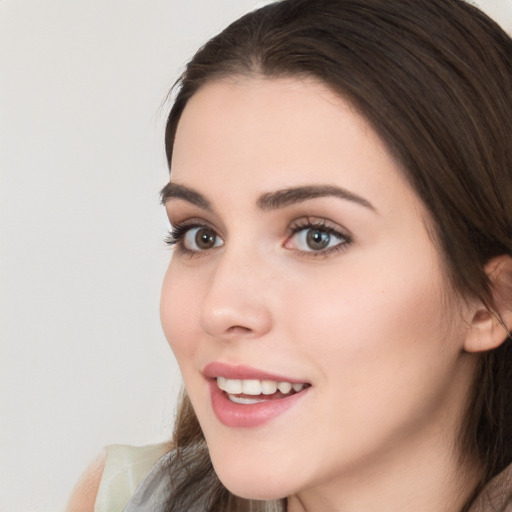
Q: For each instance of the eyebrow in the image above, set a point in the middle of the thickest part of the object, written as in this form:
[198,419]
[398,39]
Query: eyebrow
[270,200]
[173,190]
[291,196]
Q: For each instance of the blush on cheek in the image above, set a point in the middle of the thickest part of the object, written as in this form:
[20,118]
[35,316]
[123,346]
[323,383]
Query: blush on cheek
[363,314]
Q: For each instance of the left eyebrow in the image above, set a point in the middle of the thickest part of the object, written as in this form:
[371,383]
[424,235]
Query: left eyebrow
[291,196]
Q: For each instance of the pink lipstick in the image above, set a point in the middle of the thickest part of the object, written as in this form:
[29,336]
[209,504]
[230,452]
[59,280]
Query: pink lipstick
[244,397]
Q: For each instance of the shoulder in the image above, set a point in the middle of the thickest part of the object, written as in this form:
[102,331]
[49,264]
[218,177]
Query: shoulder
[84,494]
[111,480]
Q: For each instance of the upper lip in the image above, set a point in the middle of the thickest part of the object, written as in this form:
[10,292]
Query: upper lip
[242,372]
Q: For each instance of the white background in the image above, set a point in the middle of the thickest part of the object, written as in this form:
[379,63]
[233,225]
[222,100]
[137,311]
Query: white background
[83,361]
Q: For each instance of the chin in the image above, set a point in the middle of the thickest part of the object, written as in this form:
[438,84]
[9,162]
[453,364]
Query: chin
[267,483]
[251,489]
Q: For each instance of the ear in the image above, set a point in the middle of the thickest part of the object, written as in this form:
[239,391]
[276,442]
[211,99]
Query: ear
[489,329]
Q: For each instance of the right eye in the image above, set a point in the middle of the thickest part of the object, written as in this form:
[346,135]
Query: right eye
[195,238]
[201,238]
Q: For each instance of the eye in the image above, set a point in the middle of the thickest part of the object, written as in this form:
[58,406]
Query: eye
[201,239]
[313,239]
[194,238]
[316,238]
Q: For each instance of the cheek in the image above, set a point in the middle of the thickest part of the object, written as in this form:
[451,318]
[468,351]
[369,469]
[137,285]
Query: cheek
[382,353]
[178,312]
[370,314]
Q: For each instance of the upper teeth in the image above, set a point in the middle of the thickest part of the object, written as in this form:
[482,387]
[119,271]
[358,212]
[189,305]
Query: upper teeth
[255,386]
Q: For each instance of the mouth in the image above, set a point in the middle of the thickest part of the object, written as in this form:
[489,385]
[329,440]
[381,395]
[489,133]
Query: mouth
[255,391]
[245,397]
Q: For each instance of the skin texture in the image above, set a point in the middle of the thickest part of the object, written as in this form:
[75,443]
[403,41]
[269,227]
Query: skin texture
[84,494]
[372,324]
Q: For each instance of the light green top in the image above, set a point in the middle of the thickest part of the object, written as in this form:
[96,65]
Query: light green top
[125,468]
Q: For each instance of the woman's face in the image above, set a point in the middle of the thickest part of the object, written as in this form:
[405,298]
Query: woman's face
[305,301]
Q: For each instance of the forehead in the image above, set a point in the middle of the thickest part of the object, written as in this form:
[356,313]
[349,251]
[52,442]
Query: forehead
[250,116]
[261,134]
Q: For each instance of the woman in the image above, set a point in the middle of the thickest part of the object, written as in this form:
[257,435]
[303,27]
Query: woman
[339,298]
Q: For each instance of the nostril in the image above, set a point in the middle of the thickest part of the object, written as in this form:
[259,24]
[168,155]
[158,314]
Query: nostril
[238,329]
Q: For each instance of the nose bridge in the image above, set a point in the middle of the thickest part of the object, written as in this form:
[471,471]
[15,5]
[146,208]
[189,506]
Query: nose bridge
[235,301]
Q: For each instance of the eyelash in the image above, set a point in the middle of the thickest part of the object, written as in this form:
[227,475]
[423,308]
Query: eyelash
[177,234]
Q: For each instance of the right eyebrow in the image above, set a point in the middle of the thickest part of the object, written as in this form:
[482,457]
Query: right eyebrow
[289,196]
[173,190]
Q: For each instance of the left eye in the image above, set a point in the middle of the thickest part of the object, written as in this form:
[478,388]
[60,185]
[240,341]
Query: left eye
[314,239]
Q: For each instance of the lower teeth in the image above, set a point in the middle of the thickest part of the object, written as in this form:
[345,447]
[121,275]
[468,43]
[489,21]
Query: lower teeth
[245,401]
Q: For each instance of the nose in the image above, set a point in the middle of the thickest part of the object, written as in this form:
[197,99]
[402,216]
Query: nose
[236,301]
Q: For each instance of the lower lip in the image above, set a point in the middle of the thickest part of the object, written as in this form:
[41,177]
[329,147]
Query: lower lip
[249,415]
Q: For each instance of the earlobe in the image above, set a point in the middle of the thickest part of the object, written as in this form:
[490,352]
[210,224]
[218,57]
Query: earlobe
[489,329]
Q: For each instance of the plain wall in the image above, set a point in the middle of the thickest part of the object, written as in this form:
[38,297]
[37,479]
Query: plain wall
[83,361]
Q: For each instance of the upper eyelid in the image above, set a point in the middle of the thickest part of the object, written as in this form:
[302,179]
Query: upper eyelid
[192,222]
[320,223]
[336,232]
[186,212]
[182,207]
[300,223]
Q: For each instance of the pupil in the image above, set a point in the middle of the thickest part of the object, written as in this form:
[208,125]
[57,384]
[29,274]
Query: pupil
[205,239]
[318,239]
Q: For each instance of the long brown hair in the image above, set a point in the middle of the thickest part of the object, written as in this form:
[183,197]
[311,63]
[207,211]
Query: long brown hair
[434,78]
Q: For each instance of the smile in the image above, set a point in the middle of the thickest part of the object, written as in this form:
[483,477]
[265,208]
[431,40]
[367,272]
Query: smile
[246,397]
[258,391]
